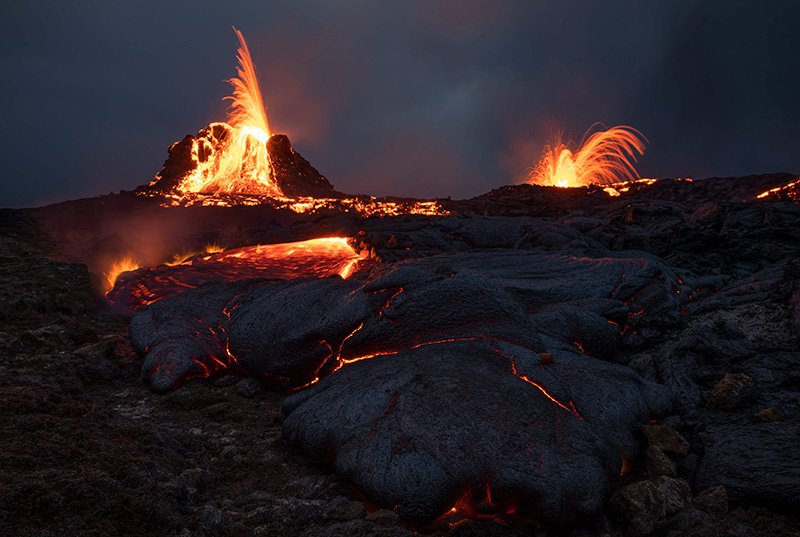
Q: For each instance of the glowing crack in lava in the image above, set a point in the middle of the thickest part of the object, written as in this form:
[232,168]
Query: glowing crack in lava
[134,288]
[604,158]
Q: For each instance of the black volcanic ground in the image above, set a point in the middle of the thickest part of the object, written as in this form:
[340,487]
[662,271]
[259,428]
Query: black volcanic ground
[669,317]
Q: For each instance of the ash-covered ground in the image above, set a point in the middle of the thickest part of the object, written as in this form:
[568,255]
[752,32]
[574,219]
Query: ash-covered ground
[87,449]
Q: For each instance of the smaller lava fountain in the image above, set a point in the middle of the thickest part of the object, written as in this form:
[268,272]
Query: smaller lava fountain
[605,158]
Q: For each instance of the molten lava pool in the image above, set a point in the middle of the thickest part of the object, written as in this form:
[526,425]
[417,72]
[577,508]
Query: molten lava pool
[315,258]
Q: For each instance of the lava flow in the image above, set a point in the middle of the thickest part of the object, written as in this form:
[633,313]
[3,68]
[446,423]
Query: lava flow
[126,264]
[135,287]
[789,191]
[605,158]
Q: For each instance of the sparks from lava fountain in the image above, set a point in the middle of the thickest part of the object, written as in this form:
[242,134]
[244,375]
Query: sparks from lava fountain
[605,158]
[238,161]
[247,106]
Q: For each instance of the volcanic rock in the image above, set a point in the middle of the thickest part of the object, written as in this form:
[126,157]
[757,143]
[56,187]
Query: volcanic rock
[657,463]
[750,459]
[384,517]
[341,508]
[712,500]
[295,175]
[733,390]
[87,451]
[248,387]
[31,286]
[641,505]
[666,438]
[676,492]
[769,414]
[409,445]
[431,375]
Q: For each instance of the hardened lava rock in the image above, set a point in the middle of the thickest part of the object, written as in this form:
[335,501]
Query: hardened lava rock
[479,426]
[473,380]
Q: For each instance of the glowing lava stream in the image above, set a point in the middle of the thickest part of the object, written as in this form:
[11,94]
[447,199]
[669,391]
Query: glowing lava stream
[311,258]
[604,158]
[790,189]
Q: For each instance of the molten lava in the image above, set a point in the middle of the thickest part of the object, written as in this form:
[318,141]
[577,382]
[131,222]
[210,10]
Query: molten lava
[232,157]
[126,264]
[605,158]
[789,191]
[312,258]
[241,162]
[247,106]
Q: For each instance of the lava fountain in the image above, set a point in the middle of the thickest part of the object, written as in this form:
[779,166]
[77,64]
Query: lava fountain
[232,157]
[604,158]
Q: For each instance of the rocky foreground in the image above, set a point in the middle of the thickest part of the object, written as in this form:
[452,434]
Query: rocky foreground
[87,449]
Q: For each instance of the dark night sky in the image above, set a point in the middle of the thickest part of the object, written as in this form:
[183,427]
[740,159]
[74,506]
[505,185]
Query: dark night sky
[423,98]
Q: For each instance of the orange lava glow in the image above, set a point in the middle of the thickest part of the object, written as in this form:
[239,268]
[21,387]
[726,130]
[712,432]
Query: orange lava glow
[571,408]
[181,257]
[312,258]
[359,205]
[604,158]
[615,189]
[247,107]
[315,257]
[232,164]
[789,191]
[232,157]
[625,467]
[477,503]
[126,264]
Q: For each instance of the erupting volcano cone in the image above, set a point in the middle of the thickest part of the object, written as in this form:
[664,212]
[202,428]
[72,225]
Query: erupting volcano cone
[241,156]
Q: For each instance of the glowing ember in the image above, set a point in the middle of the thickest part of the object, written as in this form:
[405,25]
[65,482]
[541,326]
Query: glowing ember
[604,158]
[312,258]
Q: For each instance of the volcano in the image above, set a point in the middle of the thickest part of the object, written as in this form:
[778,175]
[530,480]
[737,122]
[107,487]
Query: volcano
[239,348]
